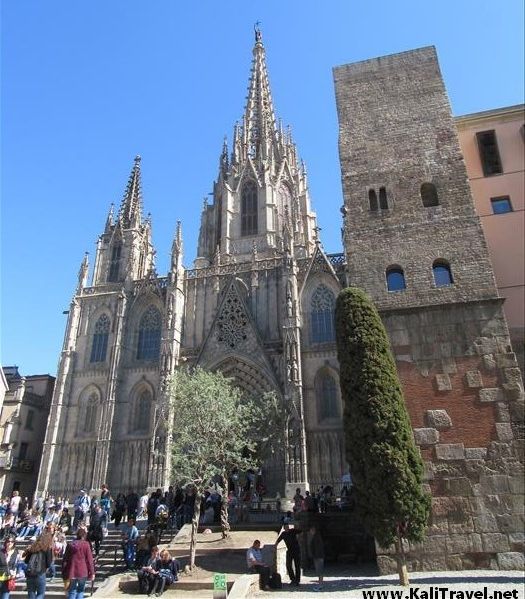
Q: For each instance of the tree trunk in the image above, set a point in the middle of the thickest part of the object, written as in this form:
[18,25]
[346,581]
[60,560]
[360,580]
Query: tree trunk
[194,529]
[401,561]
[225,522]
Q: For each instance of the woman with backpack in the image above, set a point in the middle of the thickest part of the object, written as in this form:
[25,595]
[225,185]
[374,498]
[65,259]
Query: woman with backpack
[38,558]
[77,566]
[8,563]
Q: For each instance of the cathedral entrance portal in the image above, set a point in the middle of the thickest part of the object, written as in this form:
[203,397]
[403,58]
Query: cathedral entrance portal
[254,383]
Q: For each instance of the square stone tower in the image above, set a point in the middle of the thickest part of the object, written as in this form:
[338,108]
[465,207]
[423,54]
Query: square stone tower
[414,243]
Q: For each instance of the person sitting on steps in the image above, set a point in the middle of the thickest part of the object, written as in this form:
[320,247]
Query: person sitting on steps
[256,564]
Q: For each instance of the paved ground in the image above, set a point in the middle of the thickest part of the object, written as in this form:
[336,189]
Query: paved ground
[354,587]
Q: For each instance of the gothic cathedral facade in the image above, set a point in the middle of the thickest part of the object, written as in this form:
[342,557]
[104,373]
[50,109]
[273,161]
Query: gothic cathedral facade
[258,306]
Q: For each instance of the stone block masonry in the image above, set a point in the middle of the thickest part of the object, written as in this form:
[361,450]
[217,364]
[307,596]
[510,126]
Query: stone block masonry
[461,381]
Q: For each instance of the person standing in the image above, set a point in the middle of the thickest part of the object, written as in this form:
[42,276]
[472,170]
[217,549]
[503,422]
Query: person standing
[293,553]
[14,504]
[132,504]
[97,523]
[129,543]
[8,563]
[120,509]
[316,546]
[38,557]
[105,499]
[78,566]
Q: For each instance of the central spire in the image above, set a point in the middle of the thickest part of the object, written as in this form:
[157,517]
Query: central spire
[258,123]
[130,213]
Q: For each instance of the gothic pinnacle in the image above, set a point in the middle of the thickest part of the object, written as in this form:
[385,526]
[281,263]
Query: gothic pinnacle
[83,272]
[130,213]
[176,248]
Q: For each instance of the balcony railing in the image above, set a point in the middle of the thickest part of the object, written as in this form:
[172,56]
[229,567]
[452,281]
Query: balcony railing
[16,464]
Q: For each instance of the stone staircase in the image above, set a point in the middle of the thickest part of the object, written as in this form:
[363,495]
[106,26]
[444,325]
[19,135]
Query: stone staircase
[110,561]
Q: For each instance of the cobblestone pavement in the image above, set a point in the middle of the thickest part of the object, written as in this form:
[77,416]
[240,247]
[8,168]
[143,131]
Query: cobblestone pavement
[421,583]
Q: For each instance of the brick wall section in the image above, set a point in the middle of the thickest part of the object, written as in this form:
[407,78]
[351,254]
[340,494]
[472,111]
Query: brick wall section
[462,386]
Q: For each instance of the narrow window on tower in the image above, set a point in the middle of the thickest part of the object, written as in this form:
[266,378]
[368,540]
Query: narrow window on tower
[99,346]
[114,263]
[372,200]
[395,279]
[150,326]
[442,273]
[429,195]
[383,200]
[489,153]
[249,209]
[90,413]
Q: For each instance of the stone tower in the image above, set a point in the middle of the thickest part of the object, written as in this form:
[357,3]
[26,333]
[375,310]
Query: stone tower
[414,243]
[258,305]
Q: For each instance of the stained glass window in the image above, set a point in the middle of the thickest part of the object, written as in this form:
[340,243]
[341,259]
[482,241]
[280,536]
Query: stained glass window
[149,335]
[327,397]
[249,209]
[90,418]
[322,315]
[100,339]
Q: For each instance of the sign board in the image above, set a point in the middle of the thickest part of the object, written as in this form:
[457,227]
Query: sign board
[219,586]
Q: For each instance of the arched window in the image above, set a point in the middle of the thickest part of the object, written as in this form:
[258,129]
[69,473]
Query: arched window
[114,263]
[90,414]
[326,391]
[142,413]
[249,209]
[372,199]
[395,278]
[150,326]
[442,273]
[322,315]
[99,346]
[429,195]
[383,200]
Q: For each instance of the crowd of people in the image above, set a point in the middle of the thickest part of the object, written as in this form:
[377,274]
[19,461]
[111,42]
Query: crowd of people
[45,522]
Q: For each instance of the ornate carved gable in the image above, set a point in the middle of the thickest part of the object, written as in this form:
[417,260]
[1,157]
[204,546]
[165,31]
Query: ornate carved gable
[234,333]
[318,263]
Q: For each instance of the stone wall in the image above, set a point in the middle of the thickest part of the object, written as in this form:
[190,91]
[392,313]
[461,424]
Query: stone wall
[464,394]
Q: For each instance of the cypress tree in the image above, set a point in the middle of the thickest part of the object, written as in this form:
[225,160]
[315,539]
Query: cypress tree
[386,467]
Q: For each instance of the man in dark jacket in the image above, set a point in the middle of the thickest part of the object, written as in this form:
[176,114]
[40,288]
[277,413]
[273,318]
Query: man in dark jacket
[97,523]
[132,503]
[293,552]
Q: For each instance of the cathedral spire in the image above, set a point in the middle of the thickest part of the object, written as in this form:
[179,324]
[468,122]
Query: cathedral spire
[259,116]
[130,213]
[176,248]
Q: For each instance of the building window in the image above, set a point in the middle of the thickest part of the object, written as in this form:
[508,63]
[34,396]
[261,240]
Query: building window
[149,335]
[429,195]
[501,205]
[90,418]
[322,315]
[395,279]
[114,263]
[372,200]
[383,200]
[249,209]
[22,454]
[142,415]
[29,419]
[327,397]
[489,153]
[442,273]
[99,347]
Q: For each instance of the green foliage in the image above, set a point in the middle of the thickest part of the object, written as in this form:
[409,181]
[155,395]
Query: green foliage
[216,428]
[385,464]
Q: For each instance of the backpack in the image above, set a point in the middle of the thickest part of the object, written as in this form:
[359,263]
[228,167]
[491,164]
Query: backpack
[275,581]
[36,564]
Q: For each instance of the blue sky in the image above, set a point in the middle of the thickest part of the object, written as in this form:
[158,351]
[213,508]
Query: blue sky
[88,85]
